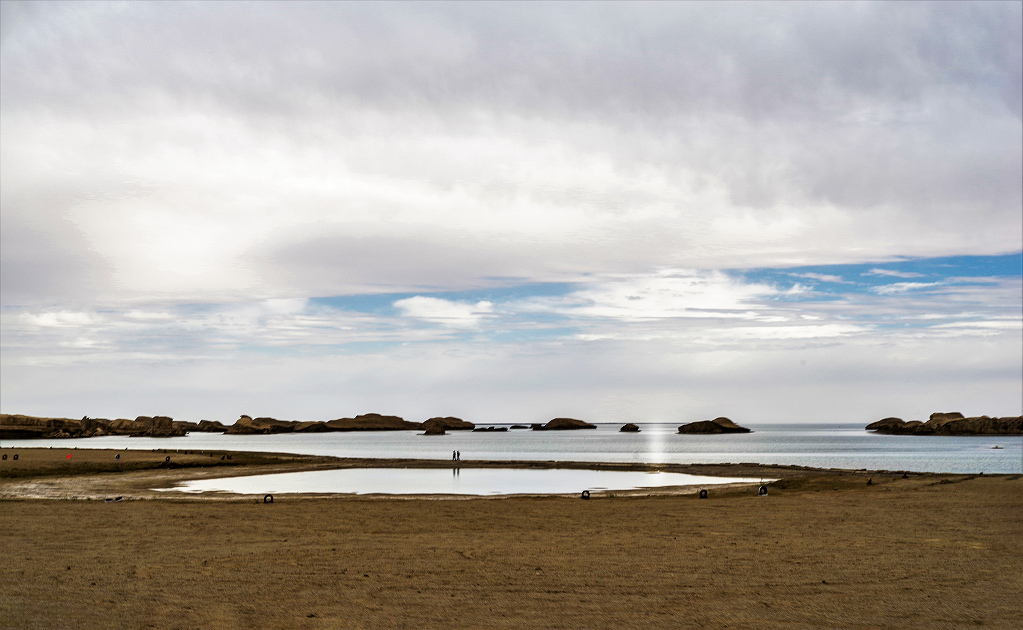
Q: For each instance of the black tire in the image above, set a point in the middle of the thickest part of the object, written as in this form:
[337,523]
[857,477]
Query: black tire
[703,494]
[268,498]
[586,494]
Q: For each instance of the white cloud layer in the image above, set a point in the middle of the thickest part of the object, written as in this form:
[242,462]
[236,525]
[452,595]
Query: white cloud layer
[182,181]
[320,149]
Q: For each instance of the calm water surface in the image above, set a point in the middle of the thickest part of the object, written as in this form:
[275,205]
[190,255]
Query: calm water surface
[474,481]
[819,445]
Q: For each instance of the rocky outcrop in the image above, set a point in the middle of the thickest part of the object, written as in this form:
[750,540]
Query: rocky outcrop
[13,427]
[312,426]
[121,426]
[373,422]
[886,425]
[19,427]
[247,425]
[157,426]
[563,424]
[717,425]
[208,426]
[433,429]
[629,428]
[450,423]
[950,424]
[489,429]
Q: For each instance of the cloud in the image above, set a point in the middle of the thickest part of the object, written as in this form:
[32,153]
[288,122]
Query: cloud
[445,312]
[182,181]
[666,294]
[823,277]
[894,274]
[59,319]
[453,143]
[902,287]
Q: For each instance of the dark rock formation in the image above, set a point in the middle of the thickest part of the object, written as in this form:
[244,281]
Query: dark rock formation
[157,426]
[14,427]
[563,424]
[449,423]
[122,426]
[950,424]
[246,425]
[211,426]
[489,429]
[629,428]
[433,429]
[520,426]
[717,425]
[373,422]
[18,427]
[885,424]
[91,427]
[312,426]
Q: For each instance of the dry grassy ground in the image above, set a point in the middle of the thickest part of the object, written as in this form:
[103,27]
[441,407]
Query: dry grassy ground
[821,551]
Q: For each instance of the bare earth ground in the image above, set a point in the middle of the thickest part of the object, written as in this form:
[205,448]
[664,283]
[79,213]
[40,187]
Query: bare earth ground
[823,550]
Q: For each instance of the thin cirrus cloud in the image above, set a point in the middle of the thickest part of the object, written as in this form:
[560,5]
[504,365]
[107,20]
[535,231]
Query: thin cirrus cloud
[509,192]
[893,273]
[902,287]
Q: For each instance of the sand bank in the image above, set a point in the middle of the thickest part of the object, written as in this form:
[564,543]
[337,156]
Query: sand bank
[823,550]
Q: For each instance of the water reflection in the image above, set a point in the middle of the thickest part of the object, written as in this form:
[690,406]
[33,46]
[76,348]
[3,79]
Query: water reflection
[474,481]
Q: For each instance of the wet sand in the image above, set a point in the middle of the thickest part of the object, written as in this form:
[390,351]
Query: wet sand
[822,550]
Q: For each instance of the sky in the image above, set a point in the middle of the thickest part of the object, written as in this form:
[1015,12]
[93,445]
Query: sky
[509,212]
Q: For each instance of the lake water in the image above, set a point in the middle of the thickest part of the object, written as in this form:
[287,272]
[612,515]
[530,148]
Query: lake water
[818,445]
[467,481]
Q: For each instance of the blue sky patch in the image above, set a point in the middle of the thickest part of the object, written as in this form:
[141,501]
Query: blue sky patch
[904,275]
[383,303]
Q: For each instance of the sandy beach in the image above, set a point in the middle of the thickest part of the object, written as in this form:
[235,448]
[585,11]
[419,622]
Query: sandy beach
[822,550]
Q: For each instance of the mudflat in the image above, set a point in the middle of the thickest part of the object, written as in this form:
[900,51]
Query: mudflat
[822,550]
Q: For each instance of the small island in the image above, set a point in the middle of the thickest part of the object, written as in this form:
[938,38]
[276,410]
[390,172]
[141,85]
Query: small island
[437,426]
[563,424]
[949,423]
[717,425]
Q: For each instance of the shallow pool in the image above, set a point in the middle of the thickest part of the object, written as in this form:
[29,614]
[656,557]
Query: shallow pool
[469,481]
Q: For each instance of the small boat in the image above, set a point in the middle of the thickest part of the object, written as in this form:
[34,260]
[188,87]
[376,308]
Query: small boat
[996,446]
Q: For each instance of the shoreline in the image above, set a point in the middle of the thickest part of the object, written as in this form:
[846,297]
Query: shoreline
[93,474]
